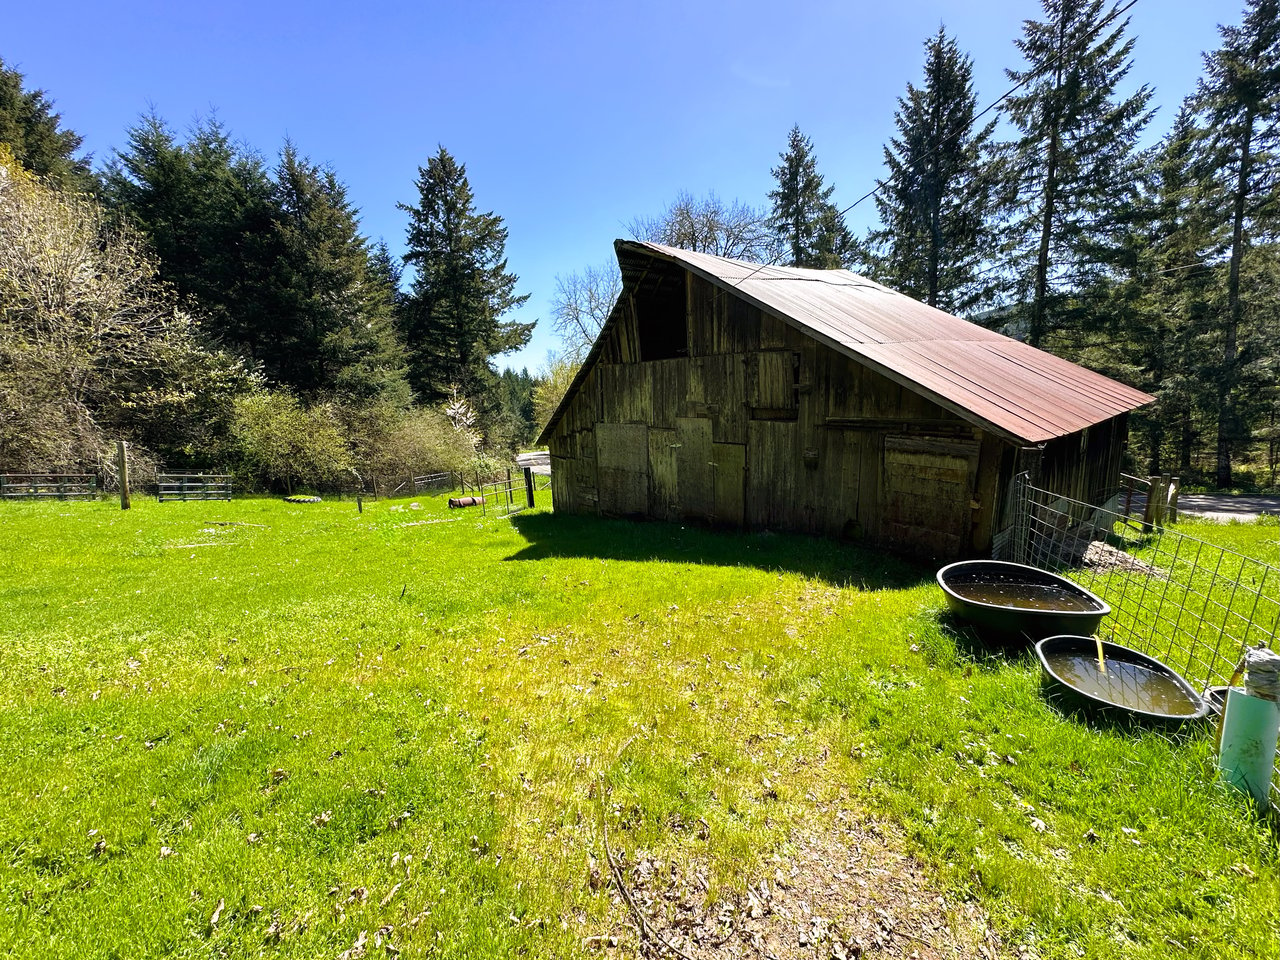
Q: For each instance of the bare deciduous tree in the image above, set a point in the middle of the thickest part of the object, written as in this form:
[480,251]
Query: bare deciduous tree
[709,225]
[582,303]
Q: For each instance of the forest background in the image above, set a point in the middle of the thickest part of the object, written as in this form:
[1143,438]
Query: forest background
[219,307]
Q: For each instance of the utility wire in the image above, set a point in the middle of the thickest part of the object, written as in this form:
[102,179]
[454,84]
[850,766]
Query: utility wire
[1010,92]
[1038,71]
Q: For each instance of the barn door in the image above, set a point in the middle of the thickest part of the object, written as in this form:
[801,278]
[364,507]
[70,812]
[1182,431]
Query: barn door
[928,494]
[622,466]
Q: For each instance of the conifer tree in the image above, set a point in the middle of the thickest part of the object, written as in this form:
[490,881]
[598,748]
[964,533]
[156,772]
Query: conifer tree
[935,204]
[461,287]
[32,131]
[206,206]
[1239,100]
[332,315]
[1158,334]
[810,229]
[1072,171]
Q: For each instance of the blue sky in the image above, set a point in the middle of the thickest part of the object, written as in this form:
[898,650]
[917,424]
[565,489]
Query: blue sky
[572,118]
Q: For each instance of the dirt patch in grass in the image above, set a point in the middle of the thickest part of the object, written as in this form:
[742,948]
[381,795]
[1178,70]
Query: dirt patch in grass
[845,892]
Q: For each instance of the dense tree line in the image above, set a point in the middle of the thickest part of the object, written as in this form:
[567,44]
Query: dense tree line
[221,311]
[1040,214]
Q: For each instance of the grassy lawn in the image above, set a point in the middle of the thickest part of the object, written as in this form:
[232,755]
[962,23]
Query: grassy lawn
[256,729]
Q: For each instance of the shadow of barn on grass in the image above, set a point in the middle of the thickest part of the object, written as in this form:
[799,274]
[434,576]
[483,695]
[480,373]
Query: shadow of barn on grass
[839,564]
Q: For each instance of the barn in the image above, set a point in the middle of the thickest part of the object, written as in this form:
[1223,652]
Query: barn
[818,401]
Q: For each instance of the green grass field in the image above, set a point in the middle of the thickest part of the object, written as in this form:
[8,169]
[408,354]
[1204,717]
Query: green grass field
[255,729]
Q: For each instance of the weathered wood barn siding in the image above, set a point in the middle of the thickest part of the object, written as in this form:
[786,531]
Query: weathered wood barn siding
[760,425]
[700,405]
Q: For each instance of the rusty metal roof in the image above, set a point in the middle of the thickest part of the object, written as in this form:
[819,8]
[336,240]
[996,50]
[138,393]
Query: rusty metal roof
[981,375]
[984,377]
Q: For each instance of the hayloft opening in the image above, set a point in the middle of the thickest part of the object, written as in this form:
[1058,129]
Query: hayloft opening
[662,316]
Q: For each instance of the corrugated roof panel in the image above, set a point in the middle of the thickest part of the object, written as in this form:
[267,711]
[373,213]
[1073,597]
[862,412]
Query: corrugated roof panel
[1022,391]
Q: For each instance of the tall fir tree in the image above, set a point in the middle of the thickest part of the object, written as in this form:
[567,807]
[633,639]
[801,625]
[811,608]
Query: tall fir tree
[334,314]
[1158,333]
[1072,171]
[32,131]
[461,288]
[809,227]
[935,205]
[1239,101]
[206,206]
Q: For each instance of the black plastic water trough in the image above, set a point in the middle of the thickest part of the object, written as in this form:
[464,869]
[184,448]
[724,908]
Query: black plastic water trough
[1008,602]
[1124,686]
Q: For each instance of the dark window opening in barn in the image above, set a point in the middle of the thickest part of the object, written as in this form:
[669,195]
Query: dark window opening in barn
[662,318]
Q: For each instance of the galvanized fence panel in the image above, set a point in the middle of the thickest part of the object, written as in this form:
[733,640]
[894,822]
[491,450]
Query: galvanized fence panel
[48,486]
[1191,604]
[193,486]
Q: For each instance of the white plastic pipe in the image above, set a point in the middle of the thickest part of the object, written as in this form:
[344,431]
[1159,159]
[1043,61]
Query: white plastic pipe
[1247,756]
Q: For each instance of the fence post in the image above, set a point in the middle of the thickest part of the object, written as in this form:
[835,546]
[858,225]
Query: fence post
[511,500]
[1175,484]
[122,464]
[1148,513]
[1163,506]
[528,485]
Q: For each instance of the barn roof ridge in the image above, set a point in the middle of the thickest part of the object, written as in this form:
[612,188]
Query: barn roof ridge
[1016,390]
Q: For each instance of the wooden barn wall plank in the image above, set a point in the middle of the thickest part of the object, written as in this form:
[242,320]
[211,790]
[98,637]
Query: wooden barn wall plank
[773,332]
[701,296]
[696,476]
[835,485]
[772,463]
[626,393]
[719,322]
[664,487]
[669,383]
[730,466]
[622,464]
[773,380]
[725,386]
[628,333]
[987,493]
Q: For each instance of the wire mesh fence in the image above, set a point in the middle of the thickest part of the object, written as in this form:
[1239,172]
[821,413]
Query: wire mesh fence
[1192,604]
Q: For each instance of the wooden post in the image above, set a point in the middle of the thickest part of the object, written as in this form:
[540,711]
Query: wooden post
[528,485]
[1165,481]
[1175,485]
[122,465]
[1157,496]
[511,500]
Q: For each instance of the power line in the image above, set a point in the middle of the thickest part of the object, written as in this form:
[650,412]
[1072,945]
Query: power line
[1010,92]
[1038,71]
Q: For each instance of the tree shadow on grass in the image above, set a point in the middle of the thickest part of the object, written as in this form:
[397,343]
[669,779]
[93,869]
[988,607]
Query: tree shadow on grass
[840,564]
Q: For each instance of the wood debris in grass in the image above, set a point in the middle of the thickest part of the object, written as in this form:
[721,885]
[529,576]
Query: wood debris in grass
[357,948]
[844,893]
[386,901]
[1102,556]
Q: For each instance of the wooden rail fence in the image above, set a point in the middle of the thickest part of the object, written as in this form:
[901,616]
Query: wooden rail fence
[51,486]
[193,486]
